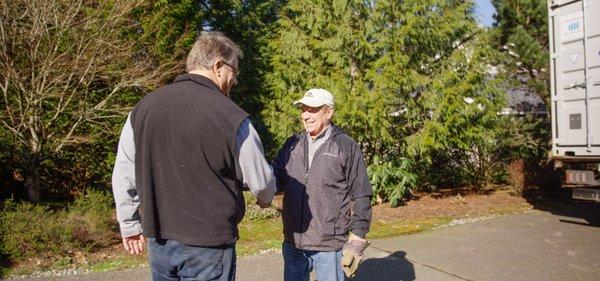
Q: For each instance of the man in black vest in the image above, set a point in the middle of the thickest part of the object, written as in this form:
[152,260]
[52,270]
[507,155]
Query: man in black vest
[184,155]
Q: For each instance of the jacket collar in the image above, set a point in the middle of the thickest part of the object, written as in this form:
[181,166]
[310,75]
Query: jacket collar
[335,130]
[199,79]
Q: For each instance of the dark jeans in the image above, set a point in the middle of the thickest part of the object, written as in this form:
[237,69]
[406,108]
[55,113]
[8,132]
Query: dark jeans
[171,260]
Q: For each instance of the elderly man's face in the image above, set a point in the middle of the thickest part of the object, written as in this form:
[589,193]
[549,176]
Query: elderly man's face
[316,119]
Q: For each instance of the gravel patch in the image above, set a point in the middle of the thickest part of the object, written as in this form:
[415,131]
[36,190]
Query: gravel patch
[52,273]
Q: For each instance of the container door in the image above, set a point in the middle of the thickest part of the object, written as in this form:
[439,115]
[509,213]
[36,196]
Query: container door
[593,68]
[569,65]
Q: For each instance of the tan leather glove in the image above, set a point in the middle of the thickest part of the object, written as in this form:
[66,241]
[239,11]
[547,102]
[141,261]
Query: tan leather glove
[352,256]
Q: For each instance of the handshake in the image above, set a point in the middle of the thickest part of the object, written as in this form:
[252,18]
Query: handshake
[262,204]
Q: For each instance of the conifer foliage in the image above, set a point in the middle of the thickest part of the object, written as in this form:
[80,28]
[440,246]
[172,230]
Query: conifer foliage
[409,79]
[521,32]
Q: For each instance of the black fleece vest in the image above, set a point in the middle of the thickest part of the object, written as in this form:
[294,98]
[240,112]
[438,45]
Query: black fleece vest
[187,176]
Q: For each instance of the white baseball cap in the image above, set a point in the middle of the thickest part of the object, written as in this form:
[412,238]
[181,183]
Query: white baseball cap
[316,98]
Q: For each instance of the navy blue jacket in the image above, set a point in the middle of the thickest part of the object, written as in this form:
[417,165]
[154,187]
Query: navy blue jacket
[321,204]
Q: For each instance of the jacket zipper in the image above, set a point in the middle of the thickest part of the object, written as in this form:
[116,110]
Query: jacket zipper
[305,145]
[307,169]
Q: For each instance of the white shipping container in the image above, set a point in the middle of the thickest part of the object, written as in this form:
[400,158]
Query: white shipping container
[574,30]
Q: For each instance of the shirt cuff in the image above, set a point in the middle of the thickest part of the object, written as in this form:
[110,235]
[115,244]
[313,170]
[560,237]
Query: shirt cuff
[131,229]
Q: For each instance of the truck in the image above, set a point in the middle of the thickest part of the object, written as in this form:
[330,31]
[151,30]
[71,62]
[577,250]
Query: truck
[574,44]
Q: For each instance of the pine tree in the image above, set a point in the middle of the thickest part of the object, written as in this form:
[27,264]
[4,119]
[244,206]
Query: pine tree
[400,73]
[521,36]
[324,44]
[249,23]
[169,28]
[449,101]
[521,32]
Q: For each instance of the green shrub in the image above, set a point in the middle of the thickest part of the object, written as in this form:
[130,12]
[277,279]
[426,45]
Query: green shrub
[29,230]
[94,213]
[254,212]
[391,180]
[34,230]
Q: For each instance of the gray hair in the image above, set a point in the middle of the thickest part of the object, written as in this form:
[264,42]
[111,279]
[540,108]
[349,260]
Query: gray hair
[210,47]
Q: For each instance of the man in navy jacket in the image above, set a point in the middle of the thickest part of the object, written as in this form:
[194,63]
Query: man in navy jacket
[327,195]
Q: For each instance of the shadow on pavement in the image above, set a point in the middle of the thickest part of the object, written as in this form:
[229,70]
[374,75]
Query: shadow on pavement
[558,201]
[393,267]
[544,192]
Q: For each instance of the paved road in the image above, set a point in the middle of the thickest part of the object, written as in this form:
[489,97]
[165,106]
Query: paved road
[539,245]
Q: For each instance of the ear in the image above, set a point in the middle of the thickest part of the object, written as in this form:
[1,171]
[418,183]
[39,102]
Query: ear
[217,66]
[330,111]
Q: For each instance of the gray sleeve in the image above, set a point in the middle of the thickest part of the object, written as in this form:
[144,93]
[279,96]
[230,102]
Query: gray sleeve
[123,184]
[256,172]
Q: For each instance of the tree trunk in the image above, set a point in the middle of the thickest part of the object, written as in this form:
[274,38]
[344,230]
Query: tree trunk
[32,176]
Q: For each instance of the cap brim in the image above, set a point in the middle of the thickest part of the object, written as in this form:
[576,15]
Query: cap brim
[312,102]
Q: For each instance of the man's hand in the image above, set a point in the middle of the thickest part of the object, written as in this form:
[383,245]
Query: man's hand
[352,254]
[134,244]
[262,204]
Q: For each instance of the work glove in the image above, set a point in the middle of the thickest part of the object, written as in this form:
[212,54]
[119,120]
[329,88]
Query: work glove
[352,256]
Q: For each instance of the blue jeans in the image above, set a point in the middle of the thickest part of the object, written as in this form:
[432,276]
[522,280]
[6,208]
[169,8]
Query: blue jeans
[299,263]
[171,260]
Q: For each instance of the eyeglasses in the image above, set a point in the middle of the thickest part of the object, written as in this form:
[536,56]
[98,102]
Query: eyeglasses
[236,71]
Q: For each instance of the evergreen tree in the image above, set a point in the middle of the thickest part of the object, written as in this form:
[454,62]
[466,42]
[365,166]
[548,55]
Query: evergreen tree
[448,100]
[521,36]
[250,24]
[386,63]
[521,32]
[409,78]
[325,44]
[169,28]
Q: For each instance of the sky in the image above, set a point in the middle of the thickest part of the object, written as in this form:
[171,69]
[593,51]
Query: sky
[484,12]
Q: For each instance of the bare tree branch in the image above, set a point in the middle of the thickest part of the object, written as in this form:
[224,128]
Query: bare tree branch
[62,63]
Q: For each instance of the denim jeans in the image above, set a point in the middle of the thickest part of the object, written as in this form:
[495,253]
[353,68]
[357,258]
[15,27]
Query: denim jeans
[171,260]
[299,263]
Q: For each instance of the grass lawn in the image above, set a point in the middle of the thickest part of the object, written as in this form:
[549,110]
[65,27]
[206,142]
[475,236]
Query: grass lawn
[256,236]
